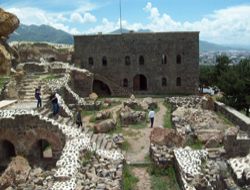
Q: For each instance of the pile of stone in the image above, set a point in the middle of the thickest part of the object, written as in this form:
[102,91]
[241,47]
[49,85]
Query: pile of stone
[129,116]
[185,101]
[132,103]
[148,103]
[76,141]
[102,115]
[19,175]
[105,126]
[200,123]
[194,170]
[162,144]
[241,169]
[99,173]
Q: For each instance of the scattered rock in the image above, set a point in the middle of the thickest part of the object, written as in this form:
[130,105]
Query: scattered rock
[168,137]
[105,126]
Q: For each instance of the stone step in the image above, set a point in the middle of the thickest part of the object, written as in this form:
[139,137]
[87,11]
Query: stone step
[109,145]
[99,141]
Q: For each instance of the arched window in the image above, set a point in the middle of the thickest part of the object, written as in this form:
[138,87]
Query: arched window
[141,60]
[125,82]
[104,61]
[127,60]
[178,81]
[91,61]
[164,59]
[163,81]
[178,59]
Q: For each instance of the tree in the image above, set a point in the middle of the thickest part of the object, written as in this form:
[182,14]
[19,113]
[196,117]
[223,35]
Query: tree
[222,66]
[234,81]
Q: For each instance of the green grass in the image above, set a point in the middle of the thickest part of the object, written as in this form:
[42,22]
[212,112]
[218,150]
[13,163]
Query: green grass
[141,125]
[86,159]
[49,77]
[194,144]
[3,80]
[163,178]
[129,180]
[125,146]
[88,113]
[167,116]
[224,119]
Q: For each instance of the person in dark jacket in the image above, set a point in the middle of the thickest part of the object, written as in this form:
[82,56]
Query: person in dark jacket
[55,105]
[79,118]
[38,96]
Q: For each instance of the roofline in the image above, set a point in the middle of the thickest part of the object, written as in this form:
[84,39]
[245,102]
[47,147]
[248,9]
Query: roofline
[143,33]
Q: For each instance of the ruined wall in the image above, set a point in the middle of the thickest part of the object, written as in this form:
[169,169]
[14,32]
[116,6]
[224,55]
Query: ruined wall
[25,131]
[144,52]
[234,116]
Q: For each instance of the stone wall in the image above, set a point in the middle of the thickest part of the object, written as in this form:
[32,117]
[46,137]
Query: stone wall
[25,131]
[141,54]
[234,116]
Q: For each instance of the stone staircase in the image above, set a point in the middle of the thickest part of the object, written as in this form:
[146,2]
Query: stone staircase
[28,86]
[101,140]
[116,90]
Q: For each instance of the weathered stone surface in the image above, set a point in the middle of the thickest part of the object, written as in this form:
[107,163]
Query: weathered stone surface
[168,137]
[105,126]
[207,103]
[8,23]
[103,115]
[93,96]
[213,142]
[128,116]
[17,172]
[204,135]
[5,61]
[148,103]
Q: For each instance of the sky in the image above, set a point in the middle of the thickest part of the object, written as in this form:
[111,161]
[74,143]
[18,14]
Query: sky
[219,21]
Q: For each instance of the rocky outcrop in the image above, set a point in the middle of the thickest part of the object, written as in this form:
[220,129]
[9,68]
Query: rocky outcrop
[8,23]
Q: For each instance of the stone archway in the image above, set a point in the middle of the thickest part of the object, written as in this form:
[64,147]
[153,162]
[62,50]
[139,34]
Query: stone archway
[140,83]
[101,88]
[7,151]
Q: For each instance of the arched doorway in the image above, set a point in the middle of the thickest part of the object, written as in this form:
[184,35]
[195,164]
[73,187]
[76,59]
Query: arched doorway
[41,154]
[100,88]
[7,151]
[140,83]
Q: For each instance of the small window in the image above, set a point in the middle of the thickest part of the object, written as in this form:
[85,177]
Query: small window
[125,82]
[104,61]
[91,61]
[127,60]
[178,59]
[163,82]
[164,59]
[178,81]
[141,60]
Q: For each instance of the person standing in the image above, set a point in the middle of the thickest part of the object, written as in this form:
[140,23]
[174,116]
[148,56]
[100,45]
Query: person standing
[55,105]
[79,118]
[38,96]
[151,116]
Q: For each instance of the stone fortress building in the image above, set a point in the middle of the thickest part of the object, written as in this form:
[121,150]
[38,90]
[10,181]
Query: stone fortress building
[141,63]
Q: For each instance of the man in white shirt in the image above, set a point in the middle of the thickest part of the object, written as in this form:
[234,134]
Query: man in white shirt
[151,116]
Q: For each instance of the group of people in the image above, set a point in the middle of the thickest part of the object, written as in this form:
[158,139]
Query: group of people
[55,105]
[53,99]
[56,108]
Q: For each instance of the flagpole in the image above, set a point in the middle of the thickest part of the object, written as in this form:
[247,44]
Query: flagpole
[120,17]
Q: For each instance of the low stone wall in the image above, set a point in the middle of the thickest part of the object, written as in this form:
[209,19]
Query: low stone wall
[24,132]
[234,116]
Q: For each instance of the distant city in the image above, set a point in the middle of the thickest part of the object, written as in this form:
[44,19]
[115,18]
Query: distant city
[235,56]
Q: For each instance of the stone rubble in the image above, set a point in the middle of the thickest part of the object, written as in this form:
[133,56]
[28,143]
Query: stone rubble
[196,172]
[76,141]
[241,169]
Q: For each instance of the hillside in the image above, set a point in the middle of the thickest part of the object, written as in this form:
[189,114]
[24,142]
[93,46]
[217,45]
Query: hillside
[45,33]
[42,33]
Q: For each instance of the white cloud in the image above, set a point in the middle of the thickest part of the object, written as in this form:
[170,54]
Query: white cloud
[87,17]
